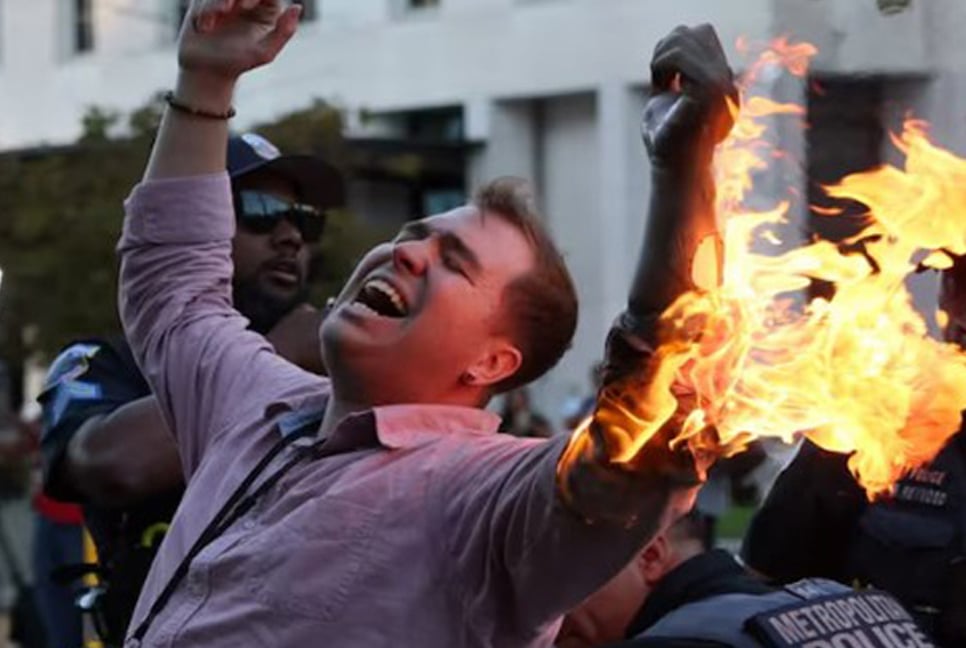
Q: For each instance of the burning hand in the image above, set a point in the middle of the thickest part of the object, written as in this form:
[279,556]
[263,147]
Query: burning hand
[855,372]
[642,455]
[627,462]
[691,110]
[693,100]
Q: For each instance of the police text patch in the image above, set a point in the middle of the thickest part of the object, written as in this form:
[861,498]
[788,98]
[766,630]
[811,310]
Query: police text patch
[868,619]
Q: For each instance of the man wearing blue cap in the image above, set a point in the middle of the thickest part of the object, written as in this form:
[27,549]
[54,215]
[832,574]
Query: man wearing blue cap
[271,261]
[105,443]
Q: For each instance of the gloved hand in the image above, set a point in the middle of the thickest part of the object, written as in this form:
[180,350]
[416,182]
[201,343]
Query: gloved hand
[683,121]
[687,116]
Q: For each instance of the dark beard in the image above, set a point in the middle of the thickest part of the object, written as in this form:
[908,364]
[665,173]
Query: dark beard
[263,311]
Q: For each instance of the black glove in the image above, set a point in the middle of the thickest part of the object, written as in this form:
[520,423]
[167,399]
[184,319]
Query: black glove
[681,128]
[687,114]
[685,118]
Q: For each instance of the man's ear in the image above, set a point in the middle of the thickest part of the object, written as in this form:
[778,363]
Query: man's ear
[500,360]
[655,561]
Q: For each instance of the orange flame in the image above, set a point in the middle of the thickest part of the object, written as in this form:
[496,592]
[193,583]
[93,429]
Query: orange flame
[857,372]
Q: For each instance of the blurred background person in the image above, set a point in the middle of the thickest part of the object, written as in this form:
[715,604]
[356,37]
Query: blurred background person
[10,448]
[578,408]
[729,485]
[58,543]
[521,419]
[105,443]
[20,619]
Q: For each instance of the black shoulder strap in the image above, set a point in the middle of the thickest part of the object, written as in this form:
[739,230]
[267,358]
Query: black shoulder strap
[237,505]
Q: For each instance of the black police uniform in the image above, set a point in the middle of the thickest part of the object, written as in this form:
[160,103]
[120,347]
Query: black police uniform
[89,378]
[710,601]
[817,522]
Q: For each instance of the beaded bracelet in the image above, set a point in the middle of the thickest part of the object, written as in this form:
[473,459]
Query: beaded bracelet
[175,103]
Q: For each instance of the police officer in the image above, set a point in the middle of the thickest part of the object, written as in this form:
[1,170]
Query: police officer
[105,443]
[816,521]
[677,594]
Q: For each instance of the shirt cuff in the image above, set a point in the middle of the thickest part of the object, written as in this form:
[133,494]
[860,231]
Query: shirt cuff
[191,210]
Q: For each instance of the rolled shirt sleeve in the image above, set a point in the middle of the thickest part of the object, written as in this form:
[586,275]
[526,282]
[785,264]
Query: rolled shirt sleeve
[522,556]
[546,527]
[206,369]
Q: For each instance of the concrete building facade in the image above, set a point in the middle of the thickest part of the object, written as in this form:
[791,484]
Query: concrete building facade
[552,89]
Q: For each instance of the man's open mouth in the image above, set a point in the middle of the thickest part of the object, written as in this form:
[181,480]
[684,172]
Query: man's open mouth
[382,298]
[284,271]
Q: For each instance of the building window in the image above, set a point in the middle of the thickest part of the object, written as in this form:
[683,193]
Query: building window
[433,124]
[404,8]
[422,4]
[310,10]
[83,32]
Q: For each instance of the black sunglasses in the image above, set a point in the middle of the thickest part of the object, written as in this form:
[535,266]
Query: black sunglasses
[259,213]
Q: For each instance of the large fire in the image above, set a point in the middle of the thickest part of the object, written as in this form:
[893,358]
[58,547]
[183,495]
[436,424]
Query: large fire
[856,372]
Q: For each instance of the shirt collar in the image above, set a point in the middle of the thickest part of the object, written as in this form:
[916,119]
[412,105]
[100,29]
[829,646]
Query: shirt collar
[392,426]
[408,426]
[293,415]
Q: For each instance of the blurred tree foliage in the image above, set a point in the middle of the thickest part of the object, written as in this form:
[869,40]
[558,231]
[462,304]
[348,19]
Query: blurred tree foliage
[61,213]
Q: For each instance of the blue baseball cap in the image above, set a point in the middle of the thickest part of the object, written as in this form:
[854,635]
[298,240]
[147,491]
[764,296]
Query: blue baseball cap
[317,181]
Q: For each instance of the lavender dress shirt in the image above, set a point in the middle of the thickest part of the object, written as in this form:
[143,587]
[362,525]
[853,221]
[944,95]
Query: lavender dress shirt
[417,526]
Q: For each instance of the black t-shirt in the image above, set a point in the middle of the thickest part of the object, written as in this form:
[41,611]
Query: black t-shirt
[817,522]
[805,526]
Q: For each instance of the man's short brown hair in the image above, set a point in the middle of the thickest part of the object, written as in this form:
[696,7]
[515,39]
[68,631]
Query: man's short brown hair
[540,305]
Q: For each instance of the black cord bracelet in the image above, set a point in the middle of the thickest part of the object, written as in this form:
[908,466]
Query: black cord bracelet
[175,103]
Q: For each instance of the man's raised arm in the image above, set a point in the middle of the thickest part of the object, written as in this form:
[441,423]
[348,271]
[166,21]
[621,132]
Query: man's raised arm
[175,293]
[220,40]
[686,116]
[560,519]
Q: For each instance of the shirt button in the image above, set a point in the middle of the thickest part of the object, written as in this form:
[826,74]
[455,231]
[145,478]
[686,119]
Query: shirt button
[248,524]
[194,585]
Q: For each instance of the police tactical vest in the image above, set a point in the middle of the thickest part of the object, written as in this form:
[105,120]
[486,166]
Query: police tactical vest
[807,614]
[913,544]
[101,373]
